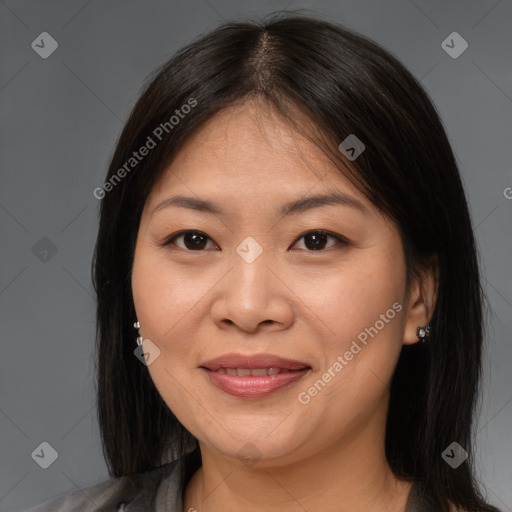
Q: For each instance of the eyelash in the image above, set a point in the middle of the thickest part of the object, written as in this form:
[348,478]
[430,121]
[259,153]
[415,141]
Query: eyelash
[339,239]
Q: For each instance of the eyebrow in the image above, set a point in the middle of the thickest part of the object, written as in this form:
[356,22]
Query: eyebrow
[294,207]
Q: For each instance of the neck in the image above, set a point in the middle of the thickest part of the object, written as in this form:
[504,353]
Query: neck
[351,475]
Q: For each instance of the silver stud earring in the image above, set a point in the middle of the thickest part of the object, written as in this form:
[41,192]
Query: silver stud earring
[423,333]
[139,338]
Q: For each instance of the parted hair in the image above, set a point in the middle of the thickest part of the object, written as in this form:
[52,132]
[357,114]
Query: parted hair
[343,83]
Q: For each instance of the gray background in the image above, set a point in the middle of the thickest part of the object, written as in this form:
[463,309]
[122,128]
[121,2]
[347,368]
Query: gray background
[61,117]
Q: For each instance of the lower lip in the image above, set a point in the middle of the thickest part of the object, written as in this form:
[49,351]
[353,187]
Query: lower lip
[253,386]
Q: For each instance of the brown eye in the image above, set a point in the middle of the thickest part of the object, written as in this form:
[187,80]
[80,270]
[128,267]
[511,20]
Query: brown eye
[317,240]
[197,241]
[192,240]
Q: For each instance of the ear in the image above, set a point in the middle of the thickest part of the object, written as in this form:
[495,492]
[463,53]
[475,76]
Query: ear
[422,299]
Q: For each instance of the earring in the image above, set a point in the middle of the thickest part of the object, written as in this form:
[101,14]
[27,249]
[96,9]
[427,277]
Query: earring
[139,338]
[423,333]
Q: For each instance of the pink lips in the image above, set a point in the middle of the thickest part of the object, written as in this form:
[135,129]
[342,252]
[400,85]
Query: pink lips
[253,376]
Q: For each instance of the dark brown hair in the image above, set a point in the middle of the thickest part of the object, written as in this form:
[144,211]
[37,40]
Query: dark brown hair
[345,84]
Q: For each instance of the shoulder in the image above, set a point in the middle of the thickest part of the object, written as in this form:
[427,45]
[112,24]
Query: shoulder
[135,492]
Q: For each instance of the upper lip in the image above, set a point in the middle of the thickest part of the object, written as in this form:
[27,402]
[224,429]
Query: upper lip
[253,361]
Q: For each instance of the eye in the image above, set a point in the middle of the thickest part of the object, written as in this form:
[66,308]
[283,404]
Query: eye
[192,240]
[197,240]
[316,240]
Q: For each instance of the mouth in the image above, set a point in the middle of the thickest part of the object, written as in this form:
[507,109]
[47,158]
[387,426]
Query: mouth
[255,372]
[253,362]
[253,376]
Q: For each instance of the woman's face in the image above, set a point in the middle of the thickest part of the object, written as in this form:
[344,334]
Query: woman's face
[253,279]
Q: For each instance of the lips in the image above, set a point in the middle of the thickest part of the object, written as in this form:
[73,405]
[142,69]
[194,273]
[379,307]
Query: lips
[257,372]
[253,376]
[255,362]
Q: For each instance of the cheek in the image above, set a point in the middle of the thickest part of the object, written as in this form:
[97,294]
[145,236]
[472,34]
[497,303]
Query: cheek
[162,308]
[168,302]
[157,293]
[363,308]
[355,298]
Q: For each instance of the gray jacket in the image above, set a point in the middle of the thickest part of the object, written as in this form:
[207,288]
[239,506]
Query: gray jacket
[152,491]
[158,490]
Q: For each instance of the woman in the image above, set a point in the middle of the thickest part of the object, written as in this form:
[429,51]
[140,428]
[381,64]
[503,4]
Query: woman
[289,306]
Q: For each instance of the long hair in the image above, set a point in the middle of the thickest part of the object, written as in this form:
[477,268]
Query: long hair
[344,84]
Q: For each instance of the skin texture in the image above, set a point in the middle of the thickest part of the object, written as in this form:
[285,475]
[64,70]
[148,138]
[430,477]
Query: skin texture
[292,301]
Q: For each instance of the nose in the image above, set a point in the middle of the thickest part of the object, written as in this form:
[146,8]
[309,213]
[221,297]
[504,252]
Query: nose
[254,297]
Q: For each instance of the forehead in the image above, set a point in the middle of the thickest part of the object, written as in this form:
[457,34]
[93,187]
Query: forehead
[250,149]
